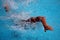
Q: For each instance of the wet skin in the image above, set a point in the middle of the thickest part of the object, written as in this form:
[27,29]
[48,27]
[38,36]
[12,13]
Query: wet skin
[34,20]
[39,19]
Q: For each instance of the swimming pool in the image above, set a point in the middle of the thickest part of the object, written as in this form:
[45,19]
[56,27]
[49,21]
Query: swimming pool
[47,8]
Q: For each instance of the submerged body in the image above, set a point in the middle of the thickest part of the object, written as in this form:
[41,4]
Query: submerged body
[34,19]
[39,19]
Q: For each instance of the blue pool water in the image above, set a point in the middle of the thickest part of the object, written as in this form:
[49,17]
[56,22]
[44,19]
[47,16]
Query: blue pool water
[47,8]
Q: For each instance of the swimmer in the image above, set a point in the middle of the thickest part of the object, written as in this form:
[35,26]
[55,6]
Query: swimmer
[39,19]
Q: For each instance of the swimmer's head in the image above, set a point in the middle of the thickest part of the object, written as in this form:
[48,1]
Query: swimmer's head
[6,7]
